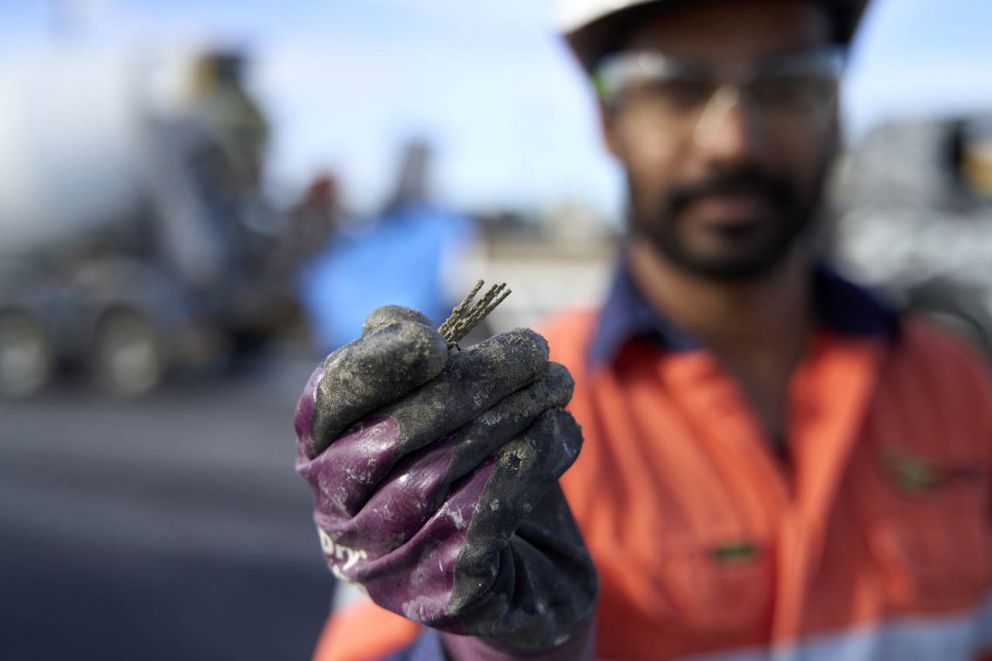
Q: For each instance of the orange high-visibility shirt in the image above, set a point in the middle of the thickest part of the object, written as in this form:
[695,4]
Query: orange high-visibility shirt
[871,539]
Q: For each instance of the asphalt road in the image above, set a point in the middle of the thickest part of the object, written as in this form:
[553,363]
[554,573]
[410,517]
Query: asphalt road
[171,527]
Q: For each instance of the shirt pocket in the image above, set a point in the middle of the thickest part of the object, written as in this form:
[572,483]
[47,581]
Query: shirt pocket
[933,554]
[718,586]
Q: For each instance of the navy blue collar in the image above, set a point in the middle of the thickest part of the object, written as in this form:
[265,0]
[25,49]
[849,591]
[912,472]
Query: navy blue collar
[840,305]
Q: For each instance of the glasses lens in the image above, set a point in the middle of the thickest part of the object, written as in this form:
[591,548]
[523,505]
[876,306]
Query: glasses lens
[674,96]
[787,87]
[792,94]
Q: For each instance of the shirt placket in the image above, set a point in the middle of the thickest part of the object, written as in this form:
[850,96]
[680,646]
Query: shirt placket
[828,397]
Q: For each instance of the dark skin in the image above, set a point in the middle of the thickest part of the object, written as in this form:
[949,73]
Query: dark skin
[757,325]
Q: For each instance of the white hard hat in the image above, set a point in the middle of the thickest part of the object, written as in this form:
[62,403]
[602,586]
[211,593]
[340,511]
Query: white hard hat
[589,25]
[576,14]
[586,24]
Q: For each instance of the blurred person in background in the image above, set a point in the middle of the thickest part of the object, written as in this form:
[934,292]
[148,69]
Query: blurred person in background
[312,224]
[399,257]
[775,464]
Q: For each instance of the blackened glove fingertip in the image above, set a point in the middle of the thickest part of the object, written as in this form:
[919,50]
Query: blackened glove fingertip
[388,314]
[562,379]
[372,371]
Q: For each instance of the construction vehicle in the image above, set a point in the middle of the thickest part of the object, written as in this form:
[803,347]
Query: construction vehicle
[917,219]
[135,232]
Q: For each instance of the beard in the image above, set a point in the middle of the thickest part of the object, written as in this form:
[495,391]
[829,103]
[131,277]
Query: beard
[735,248]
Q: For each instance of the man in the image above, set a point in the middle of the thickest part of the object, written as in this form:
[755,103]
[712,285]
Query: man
[774,464]
[398,257]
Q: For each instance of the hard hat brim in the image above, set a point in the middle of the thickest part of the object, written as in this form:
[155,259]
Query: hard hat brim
[593,28]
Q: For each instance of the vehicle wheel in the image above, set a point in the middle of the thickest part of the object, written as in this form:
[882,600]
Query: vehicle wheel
[126,357]
[26,359]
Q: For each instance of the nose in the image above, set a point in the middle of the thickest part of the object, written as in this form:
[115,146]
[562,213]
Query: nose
[727,131]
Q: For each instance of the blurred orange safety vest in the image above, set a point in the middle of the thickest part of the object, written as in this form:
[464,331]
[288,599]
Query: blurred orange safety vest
[870,537]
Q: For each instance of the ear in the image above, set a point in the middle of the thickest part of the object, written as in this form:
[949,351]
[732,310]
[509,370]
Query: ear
[608,128]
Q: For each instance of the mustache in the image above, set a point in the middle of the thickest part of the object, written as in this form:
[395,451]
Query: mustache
[778,190]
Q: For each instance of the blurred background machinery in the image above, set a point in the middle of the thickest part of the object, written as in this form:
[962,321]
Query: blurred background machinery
[917,218]
[136,239]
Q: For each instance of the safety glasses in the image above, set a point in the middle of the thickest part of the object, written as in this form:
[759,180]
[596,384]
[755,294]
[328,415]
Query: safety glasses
[785,88]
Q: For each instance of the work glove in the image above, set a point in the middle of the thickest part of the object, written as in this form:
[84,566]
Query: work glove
[435,479]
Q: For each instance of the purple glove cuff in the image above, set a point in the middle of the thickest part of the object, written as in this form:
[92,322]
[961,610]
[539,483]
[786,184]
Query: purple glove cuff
[580,647]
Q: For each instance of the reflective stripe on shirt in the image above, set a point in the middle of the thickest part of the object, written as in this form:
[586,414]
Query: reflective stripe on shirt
[952,638]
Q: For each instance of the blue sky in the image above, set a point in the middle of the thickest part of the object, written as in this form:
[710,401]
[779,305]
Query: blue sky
[346,80]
